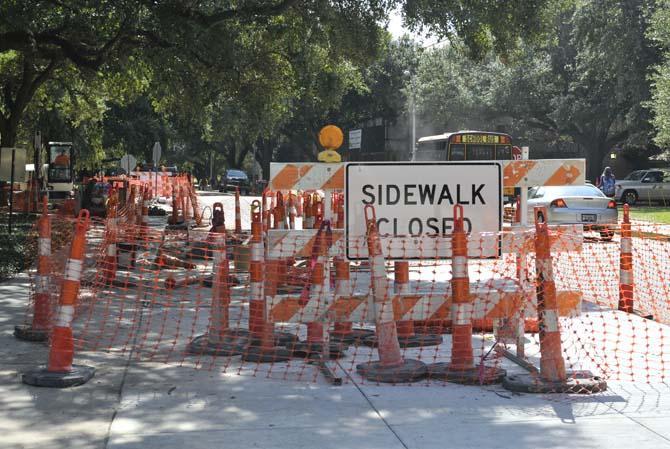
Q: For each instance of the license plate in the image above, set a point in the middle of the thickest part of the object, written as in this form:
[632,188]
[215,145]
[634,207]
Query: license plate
[589,218]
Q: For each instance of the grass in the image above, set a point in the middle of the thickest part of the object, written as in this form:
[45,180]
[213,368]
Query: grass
[652,214]
[16,251]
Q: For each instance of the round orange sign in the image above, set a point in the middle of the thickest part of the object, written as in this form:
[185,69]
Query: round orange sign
[331,137]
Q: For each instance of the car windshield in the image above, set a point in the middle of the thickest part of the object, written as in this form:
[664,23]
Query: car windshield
[635,176]
[236,174]
[564,191]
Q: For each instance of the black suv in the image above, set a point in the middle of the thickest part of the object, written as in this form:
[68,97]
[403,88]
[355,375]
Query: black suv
[233,179]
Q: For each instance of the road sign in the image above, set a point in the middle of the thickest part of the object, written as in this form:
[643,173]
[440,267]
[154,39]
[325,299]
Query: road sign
[355,137]
[413,201]
[128,163]
[331,137]
[156,154]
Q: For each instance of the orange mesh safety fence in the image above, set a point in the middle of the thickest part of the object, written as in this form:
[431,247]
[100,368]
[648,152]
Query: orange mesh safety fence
[62,232]
[291,306]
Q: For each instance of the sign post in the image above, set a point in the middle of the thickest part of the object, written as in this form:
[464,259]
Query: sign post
[414,201]
[156,158]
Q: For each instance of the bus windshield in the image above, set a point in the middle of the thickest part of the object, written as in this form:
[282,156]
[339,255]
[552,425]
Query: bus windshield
[431,151]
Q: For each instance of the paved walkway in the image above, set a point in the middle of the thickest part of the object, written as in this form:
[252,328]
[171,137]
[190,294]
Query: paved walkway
[146,405]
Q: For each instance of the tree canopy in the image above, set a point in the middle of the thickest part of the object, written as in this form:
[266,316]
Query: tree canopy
[233,72]
[222,81]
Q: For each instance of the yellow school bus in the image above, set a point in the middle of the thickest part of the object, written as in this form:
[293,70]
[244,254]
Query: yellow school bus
[468,146]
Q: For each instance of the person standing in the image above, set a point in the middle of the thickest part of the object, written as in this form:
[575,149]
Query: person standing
[606,182]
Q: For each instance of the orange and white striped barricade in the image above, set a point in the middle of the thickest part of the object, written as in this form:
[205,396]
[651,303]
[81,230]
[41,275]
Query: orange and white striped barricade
[318,293]
[60,372]
[219,339]
[262,346]
[38,330]
[344,332]
[552,376]
[462,367]
[391,367]
[407,338]
[626,280]
[406,335]
[238,212]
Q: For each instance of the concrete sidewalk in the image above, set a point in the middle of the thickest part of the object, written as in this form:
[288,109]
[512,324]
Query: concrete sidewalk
[144,405]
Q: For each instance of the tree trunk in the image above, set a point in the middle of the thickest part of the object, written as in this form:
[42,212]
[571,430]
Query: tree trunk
[596,150]
[8,132]
[264,157]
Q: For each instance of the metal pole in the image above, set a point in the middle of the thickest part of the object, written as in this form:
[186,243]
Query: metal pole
[413,143]
[11,193]
[524,194]
[211,168]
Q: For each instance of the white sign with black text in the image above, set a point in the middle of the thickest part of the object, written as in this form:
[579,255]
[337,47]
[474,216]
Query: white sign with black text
[355,137]
[414,203]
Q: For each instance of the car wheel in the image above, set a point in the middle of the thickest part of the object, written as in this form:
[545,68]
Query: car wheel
[629,197]
[606,236]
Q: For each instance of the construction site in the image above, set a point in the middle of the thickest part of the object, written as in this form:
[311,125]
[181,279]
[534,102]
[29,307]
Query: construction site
[270,321]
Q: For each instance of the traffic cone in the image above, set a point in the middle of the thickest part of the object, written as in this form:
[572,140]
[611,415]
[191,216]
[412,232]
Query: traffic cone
[318,290]
[406,335]
[219,339]
[38,330]
[60,372]
[461,368]
[626,280]
[261,347]
[109,263]
[308,213]
[344,333]
[391,367]
[552,377]
[292,211]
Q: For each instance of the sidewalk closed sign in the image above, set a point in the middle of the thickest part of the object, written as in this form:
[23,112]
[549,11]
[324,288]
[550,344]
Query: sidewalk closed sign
[414,202]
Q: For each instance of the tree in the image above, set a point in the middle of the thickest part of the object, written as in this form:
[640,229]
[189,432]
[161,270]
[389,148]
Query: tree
[278,62]
[659,33]
[586,84]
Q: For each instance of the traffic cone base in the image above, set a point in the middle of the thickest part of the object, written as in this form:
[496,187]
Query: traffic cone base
[476,375]
[78,375]
[315,350]
[27,332]
[233,343]
[259,354]
[351,337]
[408,341]
[577,382]
[408,371]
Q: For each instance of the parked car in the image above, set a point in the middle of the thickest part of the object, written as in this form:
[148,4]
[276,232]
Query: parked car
[233,179]
[644,185]
[583,204]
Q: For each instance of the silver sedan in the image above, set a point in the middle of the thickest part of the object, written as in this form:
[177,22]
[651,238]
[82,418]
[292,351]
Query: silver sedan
[584,204]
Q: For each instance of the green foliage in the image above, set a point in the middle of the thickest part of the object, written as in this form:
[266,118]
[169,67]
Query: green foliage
[585,84]
[215,80]
[15,253]
[659,33]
